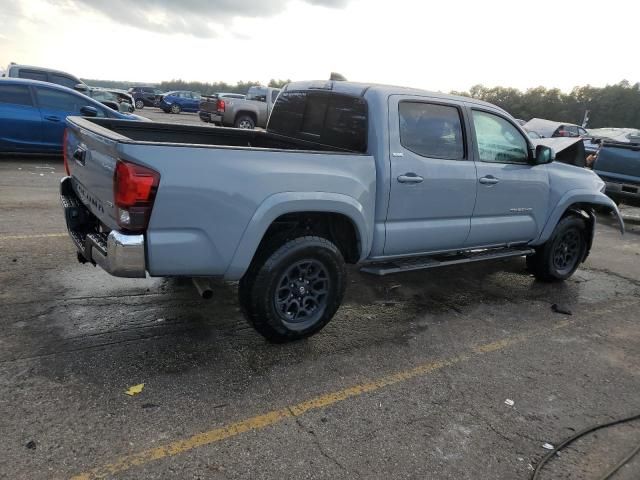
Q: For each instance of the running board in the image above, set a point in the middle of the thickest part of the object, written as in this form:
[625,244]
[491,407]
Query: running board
[422,263]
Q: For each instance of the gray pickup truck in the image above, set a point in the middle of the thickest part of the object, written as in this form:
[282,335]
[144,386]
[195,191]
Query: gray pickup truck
[249,113]
[389,178]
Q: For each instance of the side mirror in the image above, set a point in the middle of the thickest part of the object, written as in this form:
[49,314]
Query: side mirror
[544,155]
[81,87]
[88,111]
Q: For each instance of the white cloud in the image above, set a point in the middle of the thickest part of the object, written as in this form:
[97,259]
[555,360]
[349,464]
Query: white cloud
[434,45]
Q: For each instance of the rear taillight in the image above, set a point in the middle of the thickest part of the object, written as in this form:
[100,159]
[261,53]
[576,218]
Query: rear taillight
[134,190]
[220,106]
[64,153]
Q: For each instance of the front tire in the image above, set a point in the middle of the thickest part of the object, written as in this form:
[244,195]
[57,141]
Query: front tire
[175,108]
[292,291]
[562,254]
[139,104]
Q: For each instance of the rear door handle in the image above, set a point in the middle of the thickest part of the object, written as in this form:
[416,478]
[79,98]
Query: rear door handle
[488,180]
[410,178]
[52,118]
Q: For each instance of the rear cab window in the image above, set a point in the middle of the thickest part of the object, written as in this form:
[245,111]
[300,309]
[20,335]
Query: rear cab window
[331,119]
[258,94]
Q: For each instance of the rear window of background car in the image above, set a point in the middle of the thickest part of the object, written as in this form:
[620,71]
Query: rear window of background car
[431,130]
[330,119]
[15,94]
[33,75]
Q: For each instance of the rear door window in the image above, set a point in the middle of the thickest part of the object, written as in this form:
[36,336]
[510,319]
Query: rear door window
[15,95]
[335,120]
[32,74]
[431,130]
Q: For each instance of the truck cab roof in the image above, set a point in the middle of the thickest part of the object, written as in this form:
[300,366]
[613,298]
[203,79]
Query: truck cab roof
[357,89]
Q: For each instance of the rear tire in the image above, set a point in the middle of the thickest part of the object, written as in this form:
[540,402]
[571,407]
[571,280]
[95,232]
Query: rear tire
[293,290]
[246,122]
[562,254]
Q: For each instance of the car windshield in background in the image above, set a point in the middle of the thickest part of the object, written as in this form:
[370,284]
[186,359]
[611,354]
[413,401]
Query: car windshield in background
[335,120]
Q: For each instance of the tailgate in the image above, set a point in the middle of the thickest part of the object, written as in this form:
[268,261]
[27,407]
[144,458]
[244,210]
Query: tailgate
[209,104]
[91,152]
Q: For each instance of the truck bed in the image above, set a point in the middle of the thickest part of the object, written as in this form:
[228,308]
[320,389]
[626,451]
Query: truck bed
[219,188]
[153,132]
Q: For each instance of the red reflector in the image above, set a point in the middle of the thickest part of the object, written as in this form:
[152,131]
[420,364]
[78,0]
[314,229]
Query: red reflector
[64,152]
[221,106]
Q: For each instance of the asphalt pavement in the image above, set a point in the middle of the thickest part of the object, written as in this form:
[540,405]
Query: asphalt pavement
[158,115]
[409,380]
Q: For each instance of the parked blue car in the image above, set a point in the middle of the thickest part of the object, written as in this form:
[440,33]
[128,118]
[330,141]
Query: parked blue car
[180,101]
[33,113]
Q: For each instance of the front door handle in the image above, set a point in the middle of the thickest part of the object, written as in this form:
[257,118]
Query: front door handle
[410,178]
[488,180]
[52,118]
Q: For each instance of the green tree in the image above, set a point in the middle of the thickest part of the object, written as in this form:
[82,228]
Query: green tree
[611,106]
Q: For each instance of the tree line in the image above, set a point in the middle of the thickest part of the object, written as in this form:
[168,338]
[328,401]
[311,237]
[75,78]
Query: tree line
[205,88]
[611,106]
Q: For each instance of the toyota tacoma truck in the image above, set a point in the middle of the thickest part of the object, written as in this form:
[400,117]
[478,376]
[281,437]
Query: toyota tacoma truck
[392,179]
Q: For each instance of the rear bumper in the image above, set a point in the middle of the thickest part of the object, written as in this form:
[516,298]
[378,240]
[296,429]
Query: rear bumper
[120,254]
[209,117]
[623,190]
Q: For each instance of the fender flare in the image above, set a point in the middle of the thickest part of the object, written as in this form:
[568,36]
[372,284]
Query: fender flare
[282,203]
[577,197]
[246,111]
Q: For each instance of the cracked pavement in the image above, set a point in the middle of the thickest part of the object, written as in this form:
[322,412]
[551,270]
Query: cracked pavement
[73,339]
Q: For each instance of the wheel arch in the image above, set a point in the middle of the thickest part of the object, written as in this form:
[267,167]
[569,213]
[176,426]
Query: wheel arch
[249,113]
[574,202]
[312,205]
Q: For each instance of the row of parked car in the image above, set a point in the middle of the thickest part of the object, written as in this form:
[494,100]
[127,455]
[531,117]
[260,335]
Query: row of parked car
[35,102]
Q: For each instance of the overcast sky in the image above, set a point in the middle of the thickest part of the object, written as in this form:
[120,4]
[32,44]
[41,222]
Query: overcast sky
[438,45]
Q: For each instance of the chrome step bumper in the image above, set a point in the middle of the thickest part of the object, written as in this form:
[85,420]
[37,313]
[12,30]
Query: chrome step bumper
[119,254]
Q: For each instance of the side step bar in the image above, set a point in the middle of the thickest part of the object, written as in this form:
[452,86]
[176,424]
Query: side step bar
[422,263]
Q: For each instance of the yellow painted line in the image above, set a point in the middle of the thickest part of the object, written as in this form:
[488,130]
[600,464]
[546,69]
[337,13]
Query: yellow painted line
[262,421]
[27,237]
